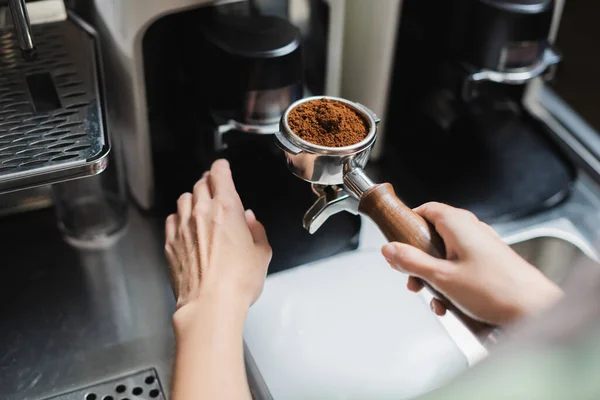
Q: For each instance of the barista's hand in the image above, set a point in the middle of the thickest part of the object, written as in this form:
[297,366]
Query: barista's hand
[215,250]
[482,276]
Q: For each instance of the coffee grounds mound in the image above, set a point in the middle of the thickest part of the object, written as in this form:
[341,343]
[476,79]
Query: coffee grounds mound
[328,123]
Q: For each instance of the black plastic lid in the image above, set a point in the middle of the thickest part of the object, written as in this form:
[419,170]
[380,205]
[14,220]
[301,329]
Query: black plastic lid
[253,37]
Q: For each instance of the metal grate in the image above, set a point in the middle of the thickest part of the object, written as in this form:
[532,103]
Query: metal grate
[140,386]
[48,141]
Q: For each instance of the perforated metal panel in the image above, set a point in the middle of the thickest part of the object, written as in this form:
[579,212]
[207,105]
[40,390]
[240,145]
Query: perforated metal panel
[45,141]
[143,385]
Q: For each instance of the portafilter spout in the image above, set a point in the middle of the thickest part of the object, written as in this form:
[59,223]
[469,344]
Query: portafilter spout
[338,178]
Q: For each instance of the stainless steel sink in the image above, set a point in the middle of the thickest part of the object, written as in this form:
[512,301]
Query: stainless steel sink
[555,257]
[562,239]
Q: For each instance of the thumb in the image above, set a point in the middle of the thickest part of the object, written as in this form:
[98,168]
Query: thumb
[413,261]
[257,230]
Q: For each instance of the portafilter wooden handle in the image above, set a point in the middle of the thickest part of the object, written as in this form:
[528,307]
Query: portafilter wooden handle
[401,224]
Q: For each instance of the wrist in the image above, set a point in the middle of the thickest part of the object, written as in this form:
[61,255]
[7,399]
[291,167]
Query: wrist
[539,300]
[545,298]
[209,310]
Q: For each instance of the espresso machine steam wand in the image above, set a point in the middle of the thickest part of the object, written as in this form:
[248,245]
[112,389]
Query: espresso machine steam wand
[20,17]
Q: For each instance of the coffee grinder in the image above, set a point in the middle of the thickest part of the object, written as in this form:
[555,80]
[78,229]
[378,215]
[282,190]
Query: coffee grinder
[223,97]
[456,128]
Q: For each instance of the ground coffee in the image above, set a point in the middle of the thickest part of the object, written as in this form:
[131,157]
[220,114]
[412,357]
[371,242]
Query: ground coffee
[328,123]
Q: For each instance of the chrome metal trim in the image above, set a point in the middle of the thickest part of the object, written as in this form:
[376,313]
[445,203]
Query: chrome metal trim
[515,77]
[265,107]
[524,8]
[578,127]
[332,200]
[358,182]
[258,387]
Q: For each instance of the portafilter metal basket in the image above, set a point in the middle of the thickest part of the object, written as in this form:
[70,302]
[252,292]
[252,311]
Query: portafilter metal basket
[338,178]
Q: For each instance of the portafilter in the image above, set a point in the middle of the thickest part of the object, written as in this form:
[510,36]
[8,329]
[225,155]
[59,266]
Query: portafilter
[338,178]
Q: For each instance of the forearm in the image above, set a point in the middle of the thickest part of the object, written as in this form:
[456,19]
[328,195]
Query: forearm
[209,361]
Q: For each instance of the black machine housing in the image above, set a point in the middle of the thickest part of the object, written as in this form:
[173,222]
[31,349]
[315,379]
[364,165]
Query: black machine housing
[485,152]
[207,66]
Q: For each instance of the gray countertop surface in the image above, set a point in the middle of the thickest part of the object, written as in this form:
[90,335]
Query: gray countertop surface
[76,318]
[72,318]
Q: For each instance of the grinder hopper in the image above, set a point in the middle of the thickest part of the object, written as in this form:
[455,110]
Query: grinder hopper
[338,178]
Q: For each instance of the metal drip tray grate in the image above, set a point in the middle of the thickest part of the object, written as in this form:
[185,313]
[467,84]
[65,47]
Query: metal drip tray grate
[140,386]
[52,126]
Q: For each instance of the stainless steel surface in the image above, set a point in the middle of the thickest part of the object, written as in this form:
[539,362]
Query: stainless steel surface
[25,200]
[517,77]
[358,182]
[248,128]
[66,140]
[320,164]
[20,18]
[258,386]
[576,221]
[265,107]
[262,112]
[74,318]
[241,127]
[554,256]
[144,385]
[520,55]
[331,200]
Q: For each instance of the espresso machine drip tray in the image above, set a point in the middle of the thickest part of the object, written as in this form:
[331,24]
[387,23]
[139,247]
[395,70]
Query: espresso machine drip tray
[142,385]
[52,125]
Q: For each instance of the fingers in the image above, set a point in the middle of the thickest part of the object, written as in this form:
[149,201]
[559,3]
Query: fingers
[460,229]
[221,181]
[202,191]
[438,307]
[184,208]
[417,263]
[450,221]
[446,218]
[414,284]
[171,226]
[259,235]
[433,211]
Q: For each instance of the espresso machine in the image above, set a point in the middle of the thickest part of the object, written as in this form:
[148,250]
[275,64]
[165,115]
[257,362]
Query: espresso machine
[54,131]
[457,130]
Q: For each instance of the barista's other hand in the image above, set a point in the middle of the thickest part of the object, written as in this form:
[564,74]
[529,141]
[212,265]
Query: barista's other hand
[482,276]
[216,251]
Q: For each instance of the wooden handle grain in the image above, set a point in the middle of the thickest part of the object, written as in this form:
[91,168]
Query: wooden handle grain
[401,224]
